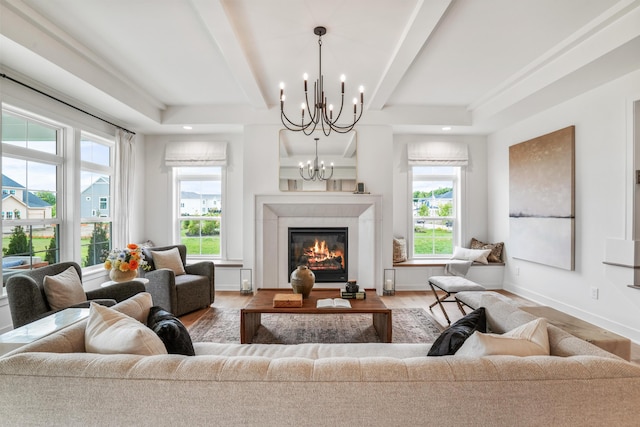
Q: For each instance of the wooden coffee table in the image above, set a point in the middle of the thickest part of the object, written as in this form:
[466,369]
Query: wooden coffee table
[262,302]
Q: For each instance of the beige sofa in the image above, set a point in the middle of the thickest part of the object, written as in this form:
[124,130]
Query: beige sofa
[54,382]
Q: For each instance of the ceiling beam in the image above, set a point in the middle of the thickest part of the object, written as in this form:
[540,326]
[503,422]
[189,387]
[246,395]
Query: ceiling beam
[420,26]
[217,23]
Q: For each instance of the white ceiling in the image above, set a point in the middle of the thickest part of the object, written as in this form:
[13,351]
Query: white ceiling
[216,64]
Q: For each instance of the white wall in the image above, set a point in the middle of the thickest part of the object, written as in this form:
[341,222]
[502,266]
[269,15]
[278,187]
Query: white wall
[601,117]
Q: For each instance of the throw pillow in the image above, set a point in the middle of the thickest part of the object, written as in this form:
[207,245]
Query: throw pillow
[171,331]
[168,259]
[399,249]
[110,332]
[455,335]
[496,249]
[476,255]
[64,289]
[530,339]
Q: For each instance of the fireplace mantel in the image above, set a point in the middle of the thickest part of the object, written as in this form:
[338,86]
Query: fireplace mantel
[275,213]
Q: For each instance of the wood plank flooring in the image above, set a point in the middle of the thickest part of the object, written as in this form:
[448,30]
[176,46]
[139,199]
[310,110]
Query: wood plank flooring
[404,299]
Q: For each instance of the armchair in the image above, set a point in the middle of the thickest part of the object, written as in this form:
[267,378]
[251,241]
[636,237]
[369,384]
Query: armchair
[28,300]
[175,292]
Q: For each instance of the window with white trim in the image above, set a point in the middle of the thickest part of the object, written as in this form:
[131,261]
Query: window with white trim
[435,205]
[31,183]
[96,155]
[199,209]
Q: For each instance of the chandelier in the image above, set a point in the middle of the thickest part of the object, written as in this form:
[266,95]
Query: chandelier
[320,112]
[315,171]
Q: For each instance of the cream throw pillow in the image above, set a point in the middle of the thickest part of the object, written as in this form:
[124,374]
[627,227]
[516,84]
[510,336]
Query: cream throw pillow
[477,255]
[64,289]
[168,259]
[110,332]
[530,339]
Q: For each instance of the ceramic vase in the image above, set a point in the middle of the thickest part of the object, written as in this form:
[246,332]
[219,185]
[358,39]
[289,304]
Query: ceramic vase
[302,281]
[123,276]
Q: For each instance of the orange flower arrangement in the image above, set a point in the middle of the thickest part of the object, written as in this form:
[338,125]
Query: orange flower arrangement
[130,258]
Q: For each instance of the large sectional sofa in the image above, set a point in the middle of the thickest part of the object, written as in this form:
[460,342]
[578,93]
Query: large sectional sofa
[53,381]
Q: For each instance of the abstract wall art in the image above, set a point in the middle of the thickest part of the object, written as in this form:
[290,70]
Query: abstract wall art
[541,199]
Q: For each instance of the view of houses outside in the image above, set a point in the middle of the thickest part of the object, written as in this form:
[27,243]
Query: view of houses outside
[432,220]
[200,209]
[26,244]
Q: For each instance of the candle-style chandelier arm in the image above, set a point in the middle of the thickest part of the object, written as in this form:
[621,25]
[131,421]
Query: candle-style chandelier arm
[317,110]
[315,172]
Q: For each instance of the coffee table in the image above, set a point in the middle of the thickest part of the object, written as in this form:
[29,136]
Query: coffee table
[262,302]
[33,331]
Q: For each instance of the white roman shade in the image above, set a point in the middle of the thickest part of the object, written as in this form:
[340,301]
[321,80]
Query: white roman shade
[437,154]
[195,153]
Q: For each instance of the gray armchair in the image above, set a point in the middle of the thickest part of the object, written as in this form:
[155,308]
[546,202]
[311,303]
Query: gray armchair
[28,301]
[183,293]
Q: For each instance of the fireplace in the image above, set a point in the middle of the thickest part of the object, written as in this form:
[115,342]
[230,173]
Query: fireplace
[324,250]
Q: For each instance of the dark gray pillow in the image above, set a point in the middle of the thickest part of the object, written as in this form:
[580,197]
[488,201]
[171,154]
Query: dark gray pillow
[171,331]
[455,335]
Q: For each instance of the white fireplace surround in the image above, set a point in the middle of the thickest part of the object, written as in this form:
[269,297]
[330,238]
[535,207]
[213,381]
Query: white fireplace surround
[274,214]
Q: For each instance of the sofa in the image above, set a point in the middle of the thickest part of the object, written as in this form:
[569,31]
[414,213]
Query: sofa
[54,382]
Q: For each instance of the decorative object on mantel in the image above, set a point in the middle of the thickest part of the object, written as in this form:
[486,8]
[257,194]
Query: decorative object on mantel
[246,282]
[319,111]
[315,172]
[123,264]
[360,189]
[302,281]
[541,199]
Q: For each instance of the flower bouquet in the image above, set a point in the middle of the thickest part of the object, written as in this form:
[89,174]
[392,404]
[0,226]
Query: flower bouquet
[124,263]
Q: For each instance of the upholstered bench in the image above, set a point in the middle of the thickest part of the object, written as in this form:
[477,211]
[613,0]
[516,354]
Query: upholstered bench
[473,300]
[451,285]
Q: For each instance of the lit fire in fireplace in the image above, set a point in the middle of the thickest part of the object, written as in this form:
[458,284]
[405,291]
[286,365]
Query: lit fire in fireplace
[320,257]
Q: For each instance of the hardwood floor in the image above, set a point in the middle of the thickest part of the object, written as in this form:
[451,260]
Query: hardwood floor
[404,299]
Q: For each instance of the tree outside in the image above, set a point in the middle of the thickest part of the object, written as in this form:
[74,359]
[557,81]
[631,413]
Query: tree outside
[18,243]
[99,245]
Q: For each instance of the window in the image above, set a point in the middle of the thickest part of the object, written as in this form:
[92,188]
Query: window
[31,167]
[199,209]
[95,193]
[435,201]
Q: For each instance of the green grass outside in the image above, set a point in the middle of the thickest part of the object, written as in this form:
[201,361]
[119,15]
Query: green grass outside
[41,244]
[208,245]
[433,242]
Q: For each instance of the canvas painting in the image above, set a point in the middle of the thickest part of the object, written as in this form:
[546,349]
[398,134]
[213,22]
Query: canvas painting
[541,199]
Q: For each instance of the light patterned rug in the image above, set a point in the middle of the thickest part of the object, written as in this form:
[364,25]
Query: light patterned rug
[410,325]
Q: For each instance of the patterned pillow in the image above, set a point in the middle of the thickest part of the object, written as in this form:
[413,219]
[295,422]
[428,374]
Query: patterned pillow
[399,249]
[496,249]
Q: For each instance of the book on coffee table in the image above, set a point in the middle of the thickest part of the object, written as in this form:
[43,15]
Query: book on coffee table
[353,295]
[333,303]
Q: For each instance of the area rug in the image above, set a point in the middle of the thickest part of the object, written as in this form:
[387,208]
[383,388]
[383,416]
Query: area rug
[410,325]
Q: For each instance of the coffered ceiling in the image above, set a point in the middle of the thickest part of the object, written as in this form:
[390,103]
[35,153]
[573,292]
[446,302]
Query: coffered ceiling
[473,65]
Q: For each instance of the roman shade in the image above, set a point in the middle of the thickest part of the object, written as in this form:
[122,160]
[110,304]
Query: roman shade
[437,154]
[196,153]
